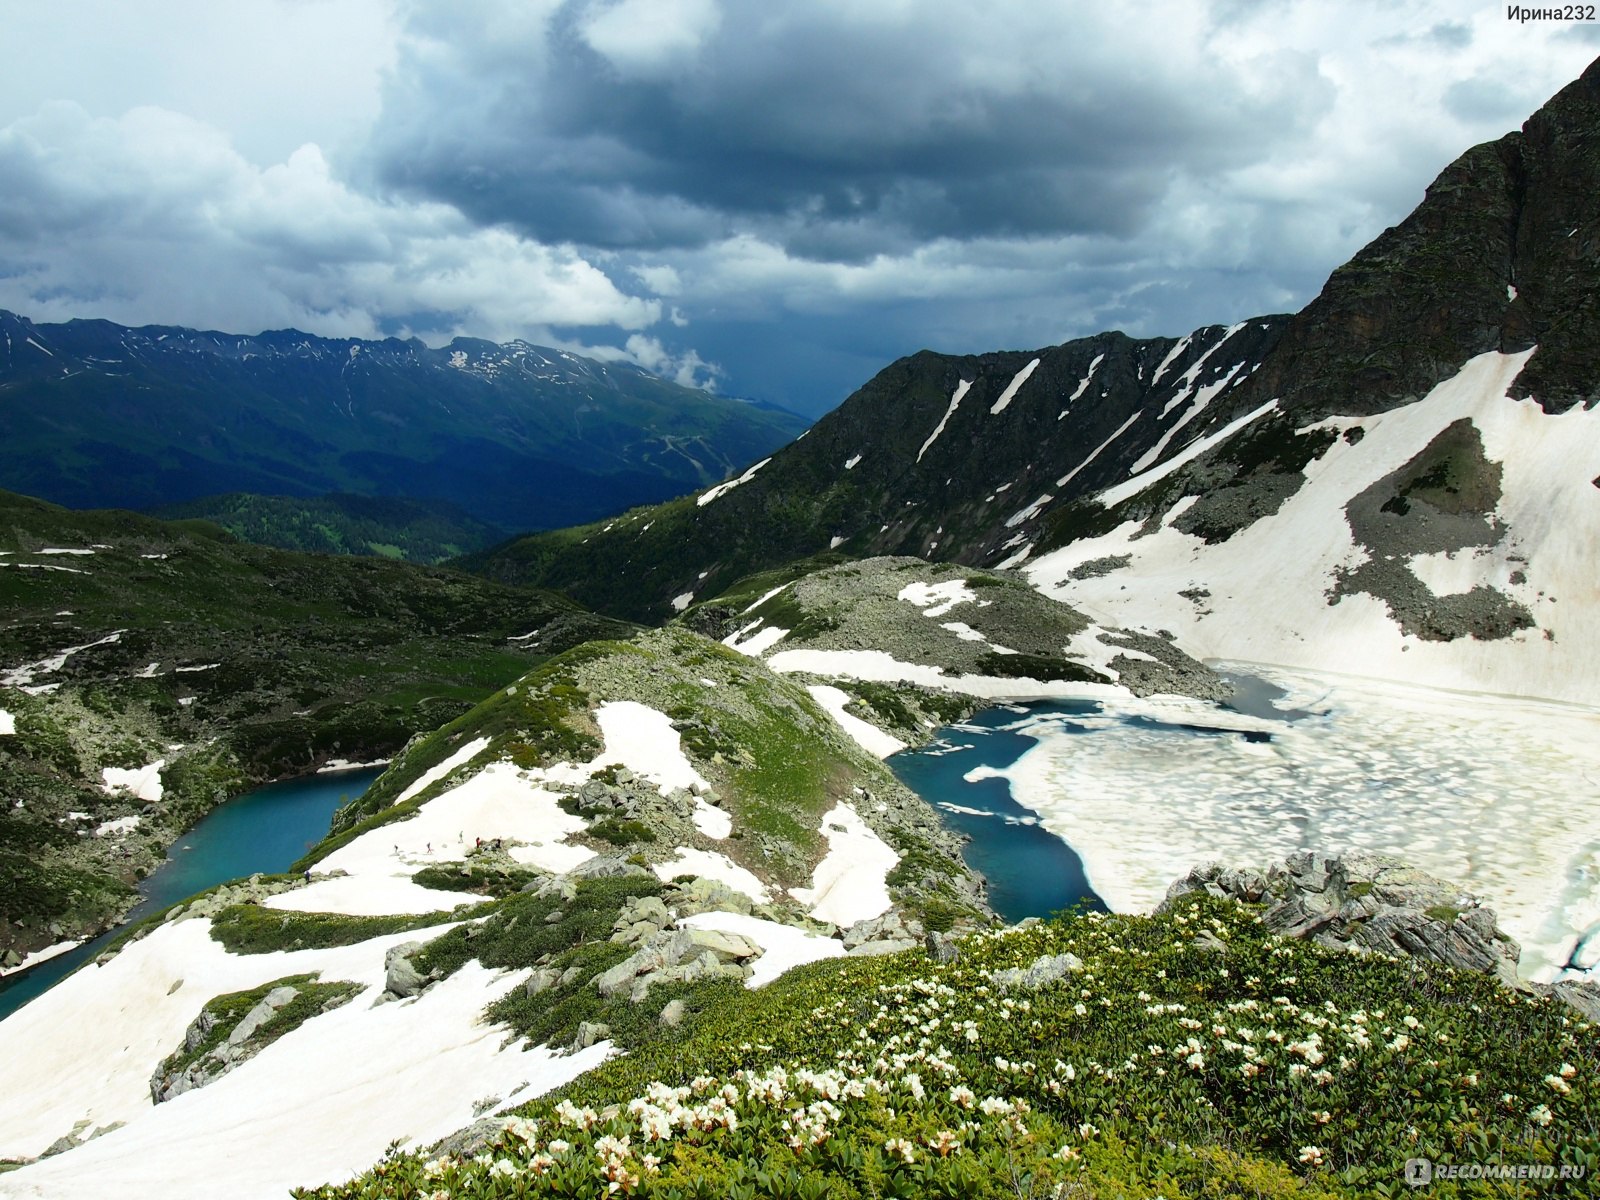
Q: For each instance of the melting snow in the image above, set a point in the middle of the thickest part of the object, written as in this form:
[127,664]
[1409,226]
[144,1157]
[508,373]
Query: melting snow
[765,596]
[1084,382]
[849,884]
[1021,515]
[1020,378]
[784,947]
[1420,773]
[713,866]
[337,1090]
[1548,502]
[8,723]
[955,402]
[1098,450]
[723,489]
[1132,487]
[119,826]
[756,644]
[143,782]
[865,734]
[682,601]
[643,740]
[936,599]
[435,773]
[850,463]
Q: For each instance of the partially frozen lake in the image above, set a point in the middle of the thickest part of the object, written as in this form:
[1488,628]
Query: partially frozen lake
[1496,793]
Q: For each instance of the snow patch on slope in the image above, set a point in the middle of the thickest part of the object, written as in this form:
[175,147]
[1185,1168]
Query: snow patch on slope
[1012,388]
[955,402]
[866,735]
[1281,614]
[849,883]
[722,489]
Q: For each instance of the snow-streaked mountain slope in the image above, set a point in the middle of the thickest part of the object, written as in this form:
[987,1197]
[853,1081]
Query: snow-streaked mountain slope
[1385,563]
[575,775]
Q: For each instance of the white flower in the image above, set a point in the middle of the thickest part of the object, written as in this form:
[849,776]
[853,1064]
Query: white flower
[503,1167]
[1540,1114]
[1311,1155]
[901,1149]
[1558,1085]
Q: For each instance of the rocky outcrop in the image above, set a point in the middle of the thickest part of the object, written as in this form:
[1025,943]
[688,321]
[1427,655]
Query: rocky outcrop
[679,956]
[1369,903]
[1041,972]
[401,979]
[207,1056]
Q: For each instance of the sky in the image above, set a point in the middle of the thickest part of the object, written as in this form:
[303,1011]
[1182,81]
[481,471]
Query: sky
[771,198]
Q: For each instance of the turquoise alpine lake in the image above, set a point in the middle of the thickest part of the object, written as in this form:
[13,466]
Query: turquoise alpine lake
[1031,872]
[265,831]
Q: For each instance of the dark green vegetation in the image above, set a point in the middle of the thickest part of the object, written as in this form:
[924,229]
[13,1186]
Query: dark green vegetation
[226,1011]
[253,929]
[388,527]
[1189,1055]
[520,436]
[521,933]
[232,664]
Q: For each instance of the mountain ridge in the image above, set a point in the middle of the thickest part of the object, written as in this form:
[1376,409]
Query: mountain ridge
[101,415]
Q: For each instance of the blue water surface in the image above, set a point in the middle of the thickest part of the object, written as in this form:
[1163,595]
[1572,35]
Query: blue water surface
[1031,872]
[265,830]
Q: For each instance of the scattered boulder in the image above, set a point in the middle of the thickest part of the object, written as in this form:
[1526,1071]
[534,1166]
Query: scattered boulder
[892,926]
[606,866]
[401,978]
[709,895]
[880,946]
[590,1032]
[672,1014]
[678,956]
[942,947]
[1041,972]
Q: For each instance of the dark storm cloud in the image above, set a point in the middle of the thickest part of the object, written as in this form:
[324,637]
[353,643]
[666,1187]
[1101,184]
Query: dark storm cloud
[830,134]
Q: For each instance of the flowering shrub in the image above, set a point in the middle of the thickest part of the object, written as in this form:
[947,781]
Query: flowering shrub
[1164,1066]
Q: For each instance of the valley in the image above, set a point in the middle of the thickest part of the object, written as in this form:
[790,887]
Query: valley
[1270,644]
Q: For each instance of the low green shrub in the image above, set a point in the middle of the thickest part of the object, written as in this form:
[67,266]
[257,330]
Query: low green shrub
[252,929]
[1187,1055]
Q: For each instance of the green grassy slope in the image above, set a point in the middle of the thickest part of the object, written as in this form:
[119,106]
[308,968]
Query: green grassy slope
[232,663]
[384,526]
[1185,1055]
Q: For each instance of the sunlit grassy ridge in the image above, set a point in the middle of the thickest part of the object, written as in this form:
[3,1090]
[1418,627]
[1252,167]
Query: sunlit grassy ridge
[1191,1054]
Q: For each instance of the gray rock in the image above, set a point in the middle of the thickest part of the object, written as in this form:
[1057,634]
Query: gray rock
[606,866]
[542,980]
[880,946]
[891,926]
[1041,972]
[400,977]
[589,1033]
[557,885]
[672,1014]
[1367,903]
[261,1014]
[709,895]
[942,947]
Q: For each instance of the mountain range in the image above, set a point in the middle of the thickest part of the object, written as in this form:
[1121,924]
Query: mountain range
[94,415]
[653,917]
[1400,476]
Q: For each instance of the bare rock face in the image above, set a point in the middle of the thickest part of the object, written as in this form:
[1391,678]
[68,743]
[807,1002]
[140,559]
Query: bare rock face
[1369,903]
